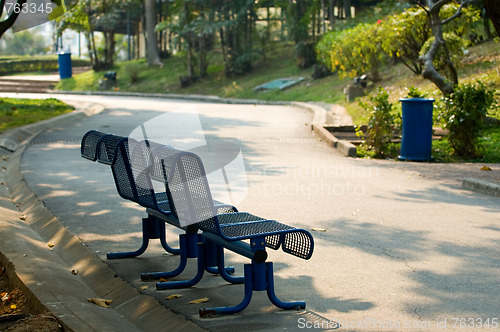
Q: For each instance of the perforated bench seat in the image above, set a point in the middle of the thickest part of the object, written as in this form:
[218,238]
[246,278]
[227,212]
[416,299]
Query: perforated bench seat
[242,225]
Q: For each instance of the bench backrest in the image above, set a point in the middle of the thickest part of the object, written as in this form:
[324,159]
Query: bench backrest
[187,185]
[131,164]
[90,142]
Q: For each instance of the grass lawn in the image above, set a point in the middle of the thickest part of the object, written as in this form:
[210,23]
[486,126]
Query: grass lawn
[19,112]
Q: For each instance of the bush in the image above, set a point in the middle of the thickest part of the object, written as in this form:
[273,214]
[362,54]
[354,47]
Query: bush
[132,71]
[352,52]
[380,125]
[464,113]
[414,92]
[33,64]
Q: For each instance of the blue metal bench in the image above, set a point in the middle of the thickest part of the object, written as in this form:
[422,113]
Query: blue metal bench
[131,164]
[187,200]
[191,203]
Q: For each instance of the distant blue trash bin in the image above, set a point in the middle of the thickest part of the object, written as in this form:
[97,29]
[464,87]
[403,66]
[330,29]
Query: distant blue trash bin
[416,141]
[65,65]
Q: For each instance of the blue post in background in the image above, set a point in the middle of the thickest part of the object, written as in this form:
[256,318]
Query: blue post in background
[416,141]
[65,70]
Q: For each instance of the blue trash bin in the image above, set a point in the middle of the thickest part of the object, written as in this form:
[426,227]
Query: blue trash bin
[416,141]
[65,65]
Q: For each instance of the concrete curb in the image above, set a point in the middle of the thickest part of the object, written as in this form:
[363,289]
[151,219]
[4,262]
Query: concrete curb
[481,186]
[345,147]
[26,229]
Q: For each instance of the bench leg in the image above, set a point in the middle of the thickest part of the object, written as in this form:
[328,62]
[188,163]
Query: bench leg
[187,283]
[225,272]
[220,311]
[258,277]
[272,296]
[214,262]
[189,249]
[184,239]
[152,228]
[141,250]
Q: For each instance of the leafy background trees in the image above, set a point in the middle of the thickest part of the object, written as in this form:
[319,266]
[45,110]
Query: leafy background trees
[427,36]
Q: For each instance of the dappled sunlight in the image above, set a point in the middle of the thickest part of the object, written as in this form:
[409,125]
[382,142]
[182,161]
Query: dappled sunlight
[117,238]
[60,174]
[59,146]
[35,242]
[131,205]
[59,193]
[50,185]
[100,213]
[86,204]
[120,113]
[441,270]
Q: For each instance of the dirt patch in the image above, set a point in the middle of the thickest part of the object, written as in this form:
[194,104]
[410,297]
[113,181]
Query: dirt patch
[20,310]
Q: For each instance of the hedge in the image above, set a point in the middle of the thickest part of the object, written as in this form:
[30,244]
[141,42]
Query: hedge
[9,65]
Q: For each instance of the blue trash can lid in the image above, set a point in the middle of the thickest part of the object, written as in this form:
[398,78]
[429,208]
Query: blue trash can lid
[64,52]
[417,100]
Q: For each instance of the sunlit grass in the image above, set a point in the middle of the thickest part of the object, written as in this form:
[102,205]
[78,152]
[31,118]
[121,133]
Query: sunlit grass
[20,112]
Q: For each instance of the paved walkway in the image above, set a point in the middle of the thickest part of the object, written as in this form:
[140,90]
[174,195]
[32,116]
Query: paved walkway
[403,243]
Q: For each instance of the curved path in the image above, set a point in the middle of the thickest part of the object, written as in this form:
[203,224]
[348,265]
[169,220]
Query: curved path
[398,247]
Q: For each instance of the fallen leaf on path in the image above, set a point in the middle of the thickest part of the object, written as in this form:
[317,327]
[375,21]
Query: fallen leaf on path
[74,272]
[485,168]
[51,245]
[100,302]
[5,297]
[202,300]
[13,306]
[144,287]
[163,280]
[3,183]
[174,296]
[23,217]
[318,229]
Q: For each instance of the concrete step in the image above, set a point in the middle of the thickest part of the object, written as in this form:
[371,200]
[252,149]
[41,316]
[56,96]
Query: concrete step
[34,83]
[32,86]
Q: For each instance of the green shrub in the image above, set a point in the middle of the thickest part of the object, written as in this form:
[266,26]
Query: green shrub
[33,64]
[463,115]
[380,125]
[352,52]
[413,92]
[132,71]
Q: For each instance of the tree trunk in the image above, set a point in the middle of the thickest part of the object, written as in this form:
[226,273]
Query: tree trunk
[347,8]
[109,52]
[188,37]
[493,11]
[153,54]
[331,13]
[430,72]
